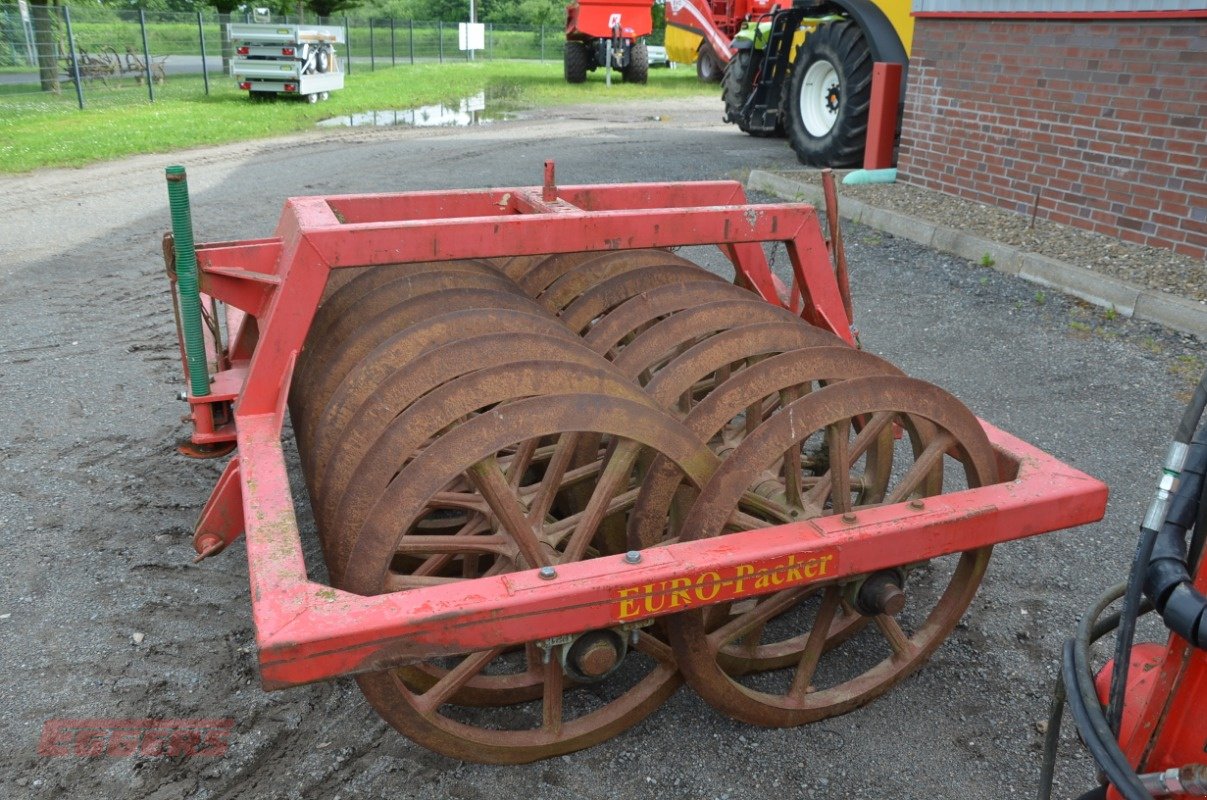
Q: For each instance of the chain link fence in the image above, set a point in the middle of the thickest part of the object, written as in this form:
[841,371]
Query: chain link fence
[94,56]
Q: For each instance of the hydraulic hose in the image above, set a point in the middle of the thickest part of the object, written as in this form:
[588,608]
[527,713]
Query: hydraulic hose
[1161,570]
[1168,582]
[1142,564]
[186,277]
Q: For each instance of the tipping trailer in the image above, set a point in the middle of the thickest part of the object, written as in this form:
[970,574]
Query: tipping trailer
[603,33]
[296,60]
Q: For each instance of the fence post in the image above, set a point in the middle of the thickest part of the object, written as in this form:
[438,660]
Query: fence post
[490,40]
[393,52]
[372,49]
[146,54]
[205,73]
[347,44]
[75,60]
[469,53]
[440,38]
[542,43]
[411,47]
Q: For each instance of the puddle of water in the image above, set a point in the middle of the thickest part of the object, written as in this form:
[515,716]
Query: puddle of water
[467,112]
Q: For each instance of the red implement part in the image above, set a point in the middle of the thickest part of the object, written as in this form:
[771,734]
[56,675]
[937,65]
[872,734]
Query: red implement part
[1168,729]
[717,21]
[882,115]
[600,19]
[307,631]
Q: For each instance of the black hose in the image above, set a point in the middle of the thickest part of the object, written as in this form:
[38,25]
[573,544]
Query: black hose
[1193,413]
[1142,566]
[1167,577]
[1092,725]
[1127,628]
[1047,770]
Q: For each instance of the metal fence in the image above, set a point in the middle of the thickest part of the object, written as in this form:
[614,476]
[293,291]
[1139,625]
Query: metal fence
[93,56]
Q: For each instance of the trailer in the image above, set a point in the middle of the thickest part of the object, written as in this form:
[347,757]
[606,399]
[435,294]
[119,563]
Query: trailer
[286,59]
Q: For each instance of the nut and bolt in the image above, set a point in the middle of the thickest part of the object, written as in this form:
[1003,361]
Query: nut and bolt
[548,573]
[849,517]
[917,505]
[182,395]
[632,557]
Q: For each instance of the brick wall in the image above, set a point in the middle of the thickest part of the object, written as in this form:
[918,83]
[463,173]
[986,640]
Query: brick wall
[1107,120]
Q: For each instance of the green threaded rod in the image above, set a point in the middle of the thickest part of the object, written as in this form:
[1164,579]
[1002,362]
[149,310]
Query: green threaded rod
[186,279]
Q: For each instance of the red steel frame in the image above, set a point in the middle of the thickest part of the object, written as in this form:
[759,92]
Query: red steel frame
[307,631]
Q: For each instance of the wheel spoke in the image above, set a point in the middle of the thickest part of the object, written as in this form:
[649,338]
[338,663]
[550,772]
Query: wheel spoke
[895,636]
[436,563]
[553,480]
[840,480]
[815,644]
[466,500]
[613,480]
[454,679]
[488,478]
[519,463]
[930,458]
[395,582]
[655,648]
[432,545]
[554,532]
[771,607]
[551,705]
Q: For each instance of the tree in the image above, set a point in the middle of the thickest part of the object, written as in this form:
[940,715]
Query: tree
[45,21]
[326,8]
[224,8]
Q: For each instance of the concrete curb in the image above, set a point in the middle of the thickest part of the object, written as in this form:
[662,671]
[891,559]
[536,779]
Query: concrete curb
[1126,298]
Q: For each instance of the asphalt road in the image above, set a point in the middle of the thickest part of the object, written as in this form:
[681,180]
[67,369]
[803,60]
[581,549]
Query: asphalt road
[96,509]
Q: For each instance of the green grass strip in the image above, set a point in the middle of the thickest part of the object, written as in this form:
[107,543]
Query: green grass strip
[44,130]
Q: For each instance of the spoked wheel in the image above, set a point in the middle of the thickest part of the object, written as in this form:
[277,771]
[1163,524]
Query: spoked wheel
[386,343]
[572,694]
[355,312]
[913,607]
[424,355]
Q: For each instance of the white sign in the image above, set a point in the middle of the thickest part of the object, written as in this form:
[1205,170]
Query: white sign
[471,35]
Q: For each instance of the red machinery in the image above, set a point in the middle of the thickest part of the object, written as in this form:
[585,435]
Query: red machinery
[602,33]
[545,454]
[1144,717]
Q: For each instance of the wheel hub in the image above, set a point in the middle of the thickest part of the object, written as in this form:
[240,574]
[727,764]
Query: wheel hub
[594,656]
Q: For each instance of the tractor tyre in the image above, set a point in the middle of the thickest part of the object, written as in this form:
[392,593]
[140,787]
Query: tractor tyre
[736,86]
[708,68]
[638,70]
[577,60]
[829,95]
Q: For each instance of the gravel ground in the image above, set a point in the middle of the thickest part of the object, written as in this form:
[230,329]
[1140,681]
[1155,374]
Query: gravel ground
[102,613]
[1152,267]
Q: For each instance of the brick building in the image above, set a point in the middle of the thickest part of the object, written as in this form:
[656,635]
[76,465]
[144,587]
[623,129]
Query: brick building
[1092,111]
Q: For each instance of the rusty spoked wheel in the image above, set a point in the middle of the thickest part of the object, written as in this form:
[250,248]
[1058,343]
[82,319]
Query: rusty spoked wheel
[591,688]
[390,340]
[749,392]
[617,327]
[913,607]
[574,273]
[380,430]
[363,402]
[361,310]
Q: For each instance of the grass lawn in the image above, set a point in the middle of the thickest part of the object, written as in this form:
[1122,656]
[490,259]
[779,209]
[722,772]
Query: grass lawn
[40,130]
